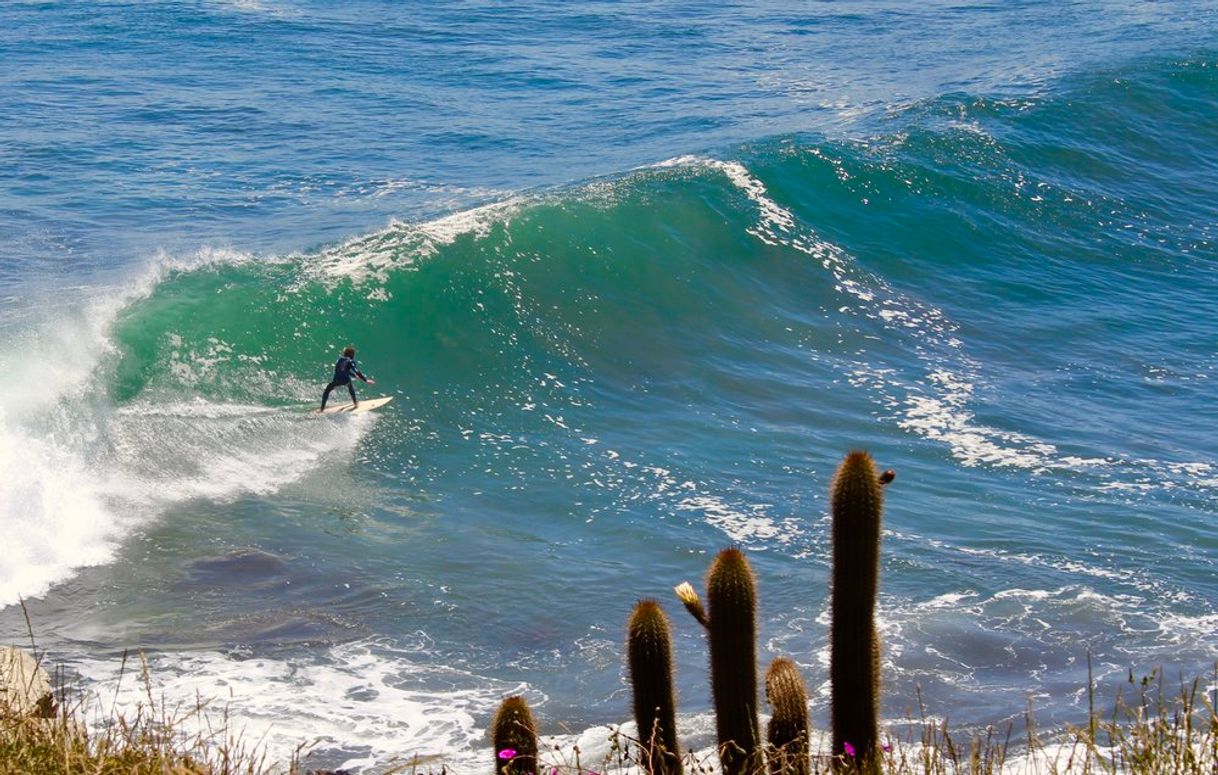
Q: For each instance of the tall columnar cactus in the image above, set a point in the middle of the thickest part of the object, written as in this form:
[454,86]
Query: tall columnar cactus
[649,652]
[515,734]
[857,505]
[732,628]
[788,731]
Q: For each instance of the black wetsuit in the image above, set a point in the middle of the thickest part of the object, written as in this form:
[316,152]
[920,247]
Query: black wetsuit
[343,369]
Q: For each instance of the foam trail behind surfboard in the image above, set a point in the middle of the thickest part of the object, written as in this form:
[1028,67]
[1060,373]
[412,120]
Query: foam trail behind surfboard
[367,405]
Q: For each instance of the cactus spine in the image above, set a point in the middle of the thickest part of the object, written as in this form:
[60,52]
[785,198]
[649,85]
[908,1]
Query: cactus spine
[788,731]
[649,652]
[732,626]
[515,734]
[857,505]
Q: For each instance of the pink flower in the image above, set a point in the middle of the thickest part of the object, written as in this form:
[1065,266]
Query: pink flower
[849,749]
[507,753]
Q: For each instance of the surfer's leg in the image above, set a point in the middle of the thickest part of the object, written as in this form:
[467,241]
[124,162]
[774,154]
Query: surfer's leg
[351,389]
[326,396]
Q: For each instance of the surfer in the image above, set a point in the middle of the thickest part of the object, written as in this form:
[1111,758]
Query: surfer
[344,367]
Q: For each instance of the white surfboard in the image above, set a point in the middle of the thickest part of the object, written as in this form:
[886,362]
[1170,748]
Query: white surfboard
[345,407]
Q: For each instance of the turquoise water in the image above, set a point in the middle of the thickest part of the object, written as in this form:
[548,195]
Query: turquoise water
[637,275]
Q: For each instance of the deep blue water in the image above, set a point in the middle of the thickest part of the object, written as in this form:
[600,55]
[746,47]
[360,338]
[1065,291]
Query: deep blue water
[638,275]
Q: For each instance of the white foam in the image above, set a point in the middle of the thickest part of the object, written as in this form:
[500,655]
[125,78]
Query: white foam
[173,452]
[773,215]
[264,7]
[368,702]
[949,600]
[52,515]
[751,527]
[371,258]
[77,475]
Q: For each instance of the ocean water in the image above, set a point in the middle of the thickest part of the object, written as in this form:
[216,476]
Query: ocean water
[638,275]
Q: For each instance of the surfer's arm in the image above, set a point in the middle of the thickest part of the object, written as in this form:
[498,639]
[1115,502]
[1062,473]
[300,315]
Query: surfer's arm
[360,374]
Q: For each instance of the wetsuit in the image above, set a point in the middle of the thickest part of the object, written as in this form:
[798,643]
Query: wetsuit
[344,367]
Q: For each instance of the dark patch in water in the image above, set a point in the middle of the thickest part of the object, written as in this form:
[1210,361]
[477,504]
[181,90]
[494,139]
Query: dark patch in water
[241,567]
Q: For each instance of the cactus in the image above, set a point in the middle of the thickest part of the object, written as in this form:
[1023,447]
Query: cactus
[788,731]
[649,652]
[515,734]
[857,505]
[732,625]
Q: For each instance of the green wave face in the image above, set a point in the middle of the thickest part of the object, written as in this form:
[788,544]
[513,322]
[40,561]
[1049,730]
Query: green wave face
[631,280]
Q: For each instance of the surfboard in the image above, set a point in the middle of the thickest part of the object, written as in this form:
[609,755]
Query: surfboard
[345,407]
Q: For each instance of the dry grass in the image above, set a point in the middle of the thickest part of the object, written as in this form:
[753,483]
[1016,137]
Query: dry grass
[83,736]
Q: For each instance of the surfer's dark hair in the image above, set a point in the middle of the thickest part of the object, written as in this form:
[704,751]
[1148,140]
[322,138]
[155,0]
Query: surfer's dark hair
[350,351]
